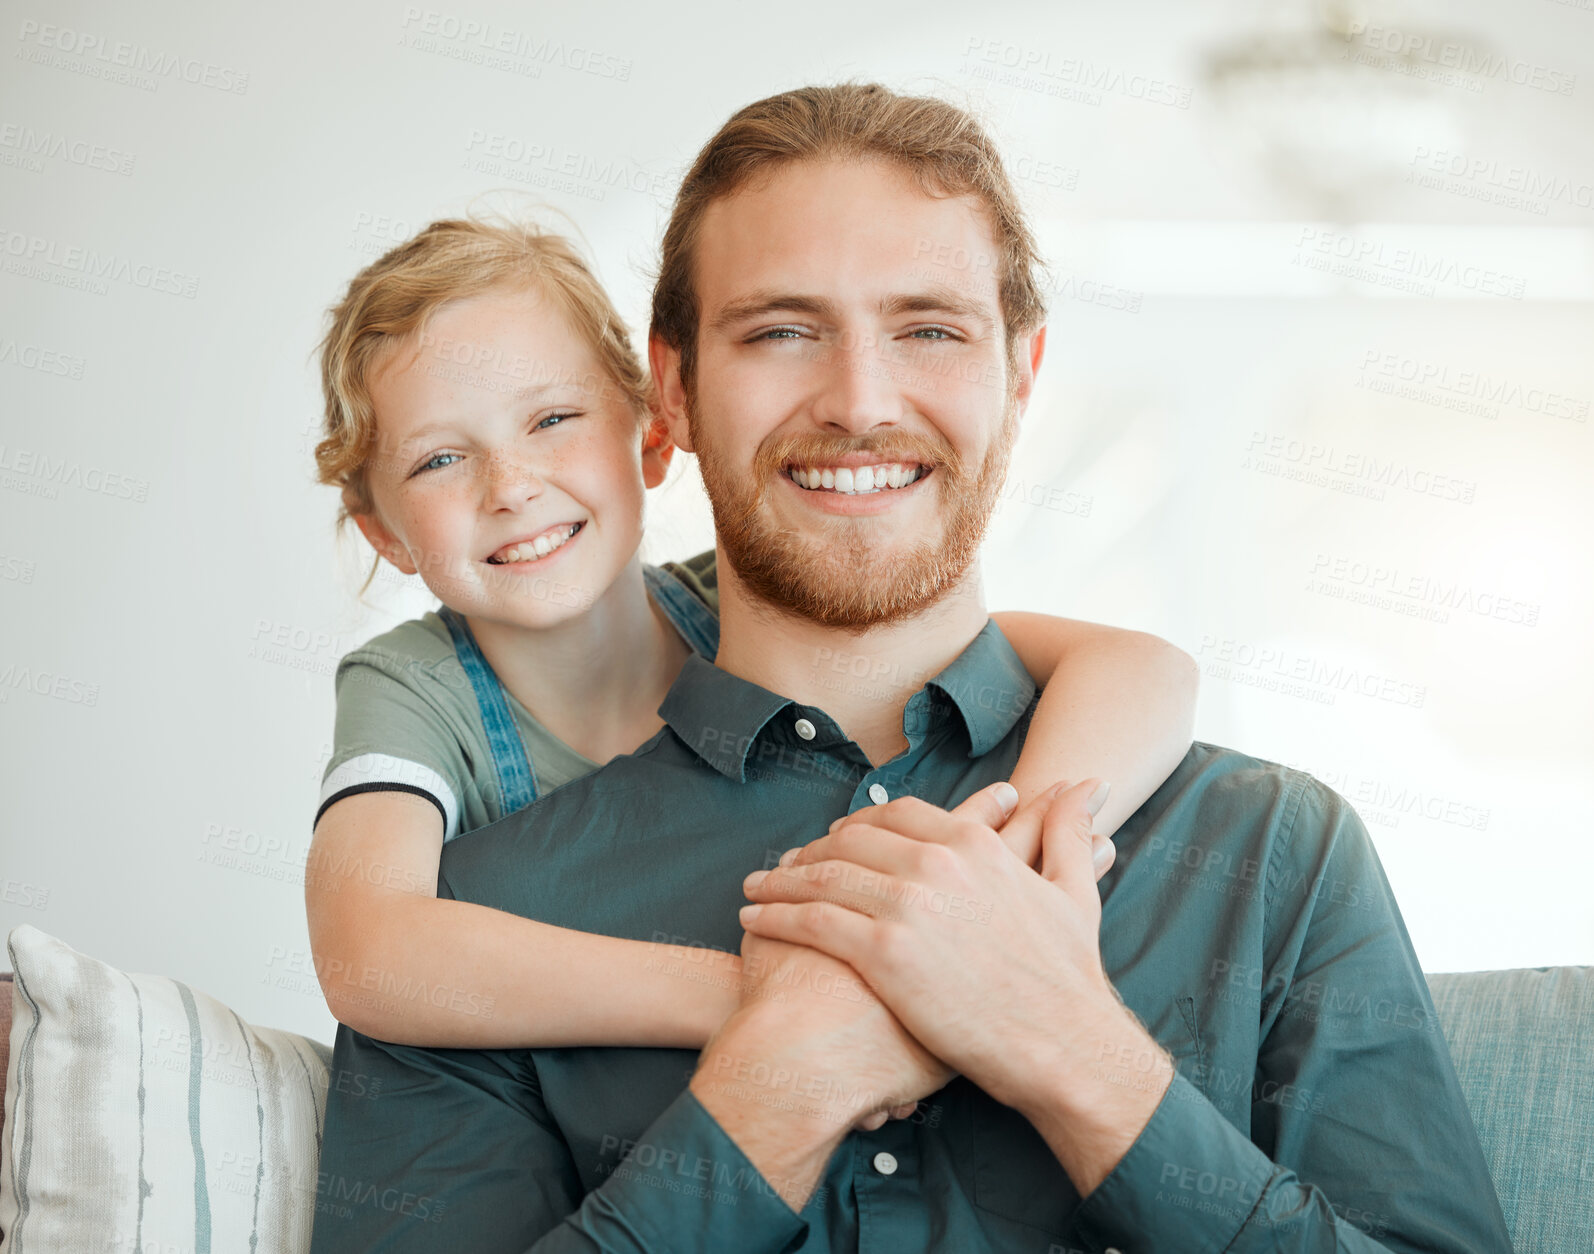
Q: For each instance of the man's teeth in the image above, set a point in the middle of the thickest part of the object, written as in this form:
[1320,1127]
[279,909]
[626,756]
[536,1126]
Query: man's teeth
[855,479]
[533,549]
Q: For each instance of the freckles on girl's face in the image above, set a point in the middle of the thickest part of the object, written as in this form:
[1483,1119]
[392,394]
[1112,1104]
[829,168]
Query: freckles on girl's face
[508,466]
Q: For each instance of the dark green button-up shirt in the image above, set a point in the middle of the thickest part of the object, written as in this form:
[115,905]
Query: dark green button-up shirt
[1247,923]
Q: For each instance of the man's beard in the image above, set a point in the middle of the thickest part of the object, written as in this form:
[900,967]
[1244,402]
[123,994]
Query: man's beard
[835,577]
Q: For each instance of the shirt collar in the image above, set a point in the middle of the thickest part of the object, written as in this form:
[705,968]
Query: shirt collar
[719,716]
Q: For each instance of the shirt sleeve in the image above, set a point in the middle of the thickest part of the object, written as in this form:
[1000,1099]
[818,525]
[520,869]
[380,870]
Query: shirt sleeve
[1376,1150]
[445,1149]
[395,732]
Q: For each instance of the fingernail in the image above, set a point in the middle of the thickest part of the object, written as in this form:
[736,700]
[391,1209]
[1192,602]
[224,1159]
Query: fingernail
[748,913]
[1006,796]
[1101,853]
[1098,799]
[754,880]
[835,825]
[790,856]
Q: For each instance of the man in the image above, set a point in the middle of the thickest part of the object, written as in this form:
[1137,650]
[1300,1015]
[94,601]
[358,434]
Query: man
[1231,1047]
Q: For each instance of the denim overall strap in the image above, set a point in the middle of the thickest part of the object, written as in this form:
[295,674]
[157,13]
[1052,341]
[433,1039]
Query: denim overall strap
[699,626]
[517,782]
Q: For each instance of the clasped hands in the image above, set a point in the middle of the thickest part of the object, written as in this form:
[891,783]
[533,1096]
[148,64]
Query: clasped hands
[986,965]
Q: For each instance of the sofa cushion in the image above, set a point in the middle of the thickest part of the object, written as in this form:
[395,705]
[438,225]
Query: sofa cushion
[5,1044]
[1523,1044]
[141,1114]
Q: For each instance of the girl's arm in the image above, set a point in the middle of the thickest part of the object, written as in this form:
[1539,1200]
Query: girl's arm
[1117,705]
[401,964]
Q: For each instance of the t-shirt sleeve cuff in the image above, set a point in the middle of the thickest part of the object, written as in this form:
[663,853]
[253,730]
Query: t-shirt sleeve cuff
[1188,1183]
[687,1184]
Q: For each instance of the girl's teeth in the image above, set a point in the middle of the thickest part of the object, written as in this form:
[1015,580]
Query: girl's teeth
[540,547]
[862,479]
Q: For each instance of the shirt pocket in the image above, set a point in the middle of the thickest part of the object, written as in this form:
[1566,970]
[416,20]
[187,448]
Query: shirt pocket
[1015,1174]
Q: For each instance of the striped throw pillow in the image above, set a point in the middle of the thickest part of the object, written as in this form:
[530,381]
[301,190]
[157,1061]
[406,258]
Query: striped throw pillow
[142,1115]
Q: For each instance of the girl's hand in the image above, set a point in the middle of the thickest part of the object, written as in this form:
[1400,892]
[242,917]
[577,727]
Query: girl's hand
[1022,832]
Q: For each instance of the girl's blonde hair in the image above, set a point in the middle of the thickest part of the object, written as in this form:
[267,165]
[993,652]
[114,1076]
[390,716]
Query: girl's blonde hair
[393,298]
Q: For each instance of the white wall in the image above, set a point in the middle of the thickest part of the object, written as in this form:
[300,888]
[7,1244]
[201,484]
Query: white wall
[160,527]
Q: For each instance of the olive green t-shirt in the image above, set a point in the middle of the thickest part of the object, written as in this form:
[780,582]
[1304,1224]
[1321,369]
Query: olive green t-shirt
[408,721]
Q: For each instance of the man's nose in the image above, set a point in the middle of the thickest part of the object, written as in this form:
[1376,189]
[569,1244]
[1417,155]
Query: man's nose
[858,388]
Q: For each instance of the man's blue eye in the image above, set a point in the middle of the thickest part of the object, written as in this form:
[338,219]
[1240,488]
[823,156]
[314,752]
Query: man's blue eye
[940,333]
[782,332]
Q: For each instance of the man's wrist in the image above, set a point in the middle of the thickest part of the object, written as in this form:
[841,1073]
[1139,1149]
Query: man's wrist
[1092,1106]
[789,1136]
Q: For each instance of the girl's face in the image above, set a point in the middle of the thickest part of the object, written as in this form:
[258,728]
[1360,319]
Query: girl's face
[509,470]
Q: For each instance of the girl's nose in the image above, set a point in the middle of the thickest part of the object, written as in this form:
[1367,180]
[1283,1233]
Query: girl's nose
[510,480]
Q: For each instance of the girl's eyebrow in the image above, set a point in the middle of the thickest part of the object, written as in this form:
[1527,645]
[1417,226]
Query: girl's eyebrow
[523,394]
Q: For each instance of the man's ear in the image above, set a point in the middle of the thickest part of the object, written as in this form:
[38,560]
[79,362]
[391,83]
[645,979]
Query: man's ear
[1030,351]
[657,449]
[384,542]
[665,364]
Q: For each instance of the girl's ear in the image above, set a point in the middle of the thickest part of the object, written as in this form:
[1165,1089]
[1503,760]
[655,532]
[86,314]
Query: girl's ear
[384,542]
[657,449]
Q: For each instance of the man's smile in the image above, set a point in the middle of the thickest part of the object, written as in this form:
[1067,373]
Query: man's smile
[861,490]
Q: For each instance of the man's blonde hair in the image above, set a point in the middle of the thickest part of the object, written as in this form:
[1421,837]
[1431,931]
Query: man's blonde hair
[942,146]
[392,299]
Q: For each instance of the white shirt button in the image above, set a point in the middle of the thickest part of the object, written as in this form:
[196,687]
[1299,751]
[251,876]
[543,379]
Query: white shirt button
[878,795]
[885,1164]
[805,729]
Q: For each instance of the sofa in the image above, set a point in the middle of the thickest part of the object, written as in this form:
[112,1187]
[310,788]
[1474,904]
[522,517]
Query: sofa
[192,1121]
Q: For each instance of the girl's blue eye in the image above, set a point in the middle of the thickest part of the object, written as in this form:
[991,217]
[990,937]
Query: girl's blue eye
[551,418]
[432,464]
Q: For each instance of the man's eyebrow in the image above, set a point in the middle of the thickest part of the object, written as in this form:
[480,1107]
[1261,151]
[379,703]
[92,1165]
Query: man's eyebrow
[935,298]
[757,304]
[938,298]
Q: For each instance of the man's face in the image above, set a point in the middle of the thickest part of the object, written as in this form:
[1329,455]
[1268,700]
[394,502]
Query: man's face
[848,319]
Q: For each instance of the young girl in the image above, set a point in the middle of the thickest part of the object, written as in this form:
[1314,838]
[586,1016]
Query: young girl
[488,425]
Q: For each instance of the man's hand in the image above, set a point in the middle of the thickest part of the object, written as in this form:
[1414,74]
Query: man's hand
[994,968]
[812,1053]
